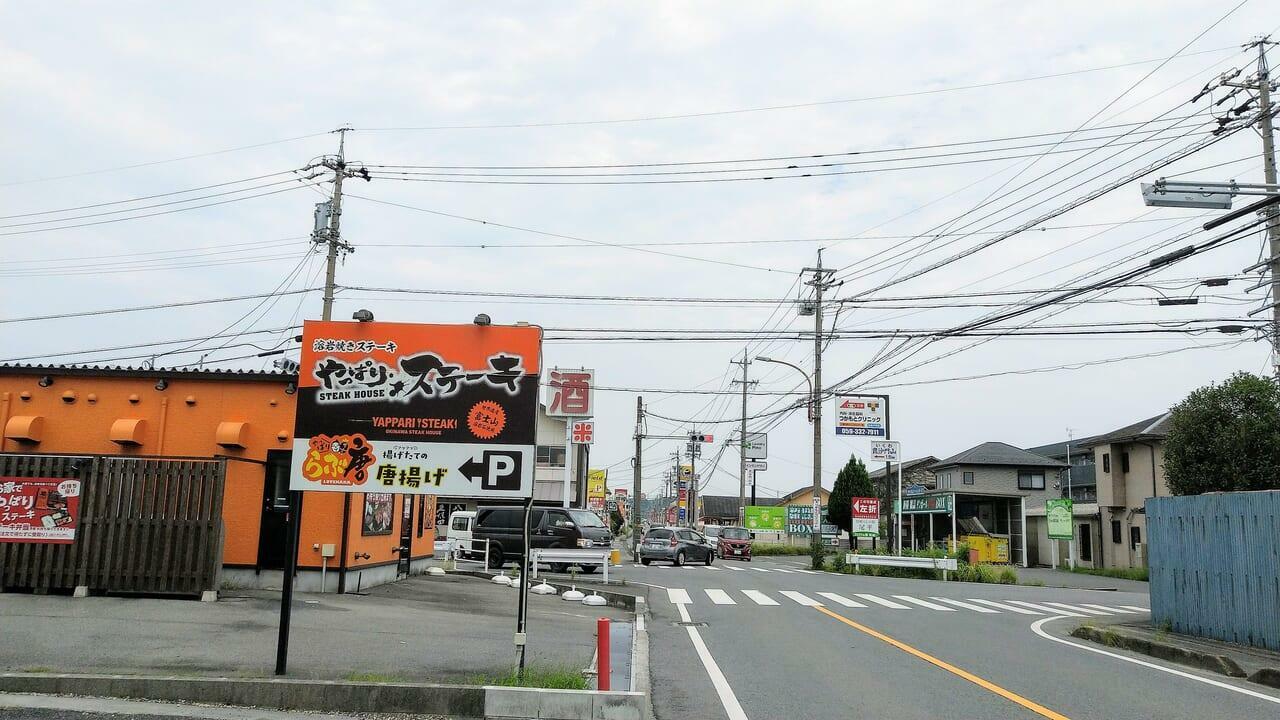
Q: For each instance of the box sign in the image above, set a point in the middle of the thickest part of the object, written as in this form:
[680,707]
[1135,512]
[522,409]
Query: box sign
[886,451]
[1059,514]
[865,513]
[569,393]
[863,415]
[417,409]
[926,504]
[764,518]
[583,432]
[800,521]
[39,510]
[756,465]
[756,446]
[596,492]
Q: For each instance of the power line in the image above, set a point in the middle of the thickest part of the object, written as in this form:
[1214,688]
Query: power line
[161,306]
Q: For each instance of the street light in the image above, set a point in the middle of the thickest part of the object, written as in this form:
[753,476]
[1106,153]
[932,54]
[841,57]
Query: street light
[816,529]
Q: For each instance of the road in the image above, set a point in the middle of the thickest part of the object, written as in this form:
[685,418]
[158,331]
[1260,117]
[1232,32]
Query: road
[771,639]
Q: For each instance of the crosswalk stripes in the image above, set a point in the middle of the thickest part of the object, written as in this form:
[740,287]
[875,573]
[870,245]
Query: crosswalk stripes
[800,598]
[924,603]
[782,570]
[678,596]
[735,569]
[1121,610]
[965,605]
[1044,608]
[759,598]
[807,572]
[882,601]
[720,597]
[1135,608]
[1005,607]
[842,600]
[1077,608]
[760,569]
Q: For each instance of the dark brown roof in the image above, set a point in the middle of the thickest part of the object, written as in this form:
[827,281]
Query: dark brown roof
[1152,427]
[998,453]
[907,466]
[140,372]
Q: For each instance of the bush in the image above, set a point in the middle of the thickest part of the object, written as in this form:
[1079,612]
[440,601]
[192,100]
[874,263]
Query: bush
[837,563]
[982,573]
[1122,573]
[1008,577]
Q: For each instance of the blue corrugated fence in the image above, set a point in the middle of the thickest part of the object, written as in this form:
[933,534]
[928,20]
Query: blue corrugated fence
[1215,565]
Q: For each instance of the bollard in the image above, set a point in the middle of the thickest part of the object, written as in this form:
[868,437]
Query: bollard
[602,653]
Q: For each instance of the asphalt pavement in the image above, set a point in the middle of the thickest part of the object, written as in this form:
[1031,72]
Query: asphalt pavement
[772,639]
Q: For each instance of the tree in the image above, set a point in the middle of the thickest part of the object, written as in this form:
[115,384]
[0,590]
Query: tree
[1225,438]
[853,481]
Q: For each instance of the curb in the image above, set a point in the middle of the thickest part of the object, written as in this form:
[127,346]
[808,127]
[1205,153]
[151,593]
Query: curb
[1220,664]
[330,695]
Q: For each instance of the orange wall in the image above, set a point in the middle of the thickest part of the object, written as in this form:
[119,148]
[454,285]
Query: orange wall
[175,427]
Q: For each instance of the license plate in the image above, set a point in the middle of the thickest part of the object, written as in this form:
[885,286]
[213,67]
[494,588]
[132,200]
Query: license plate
[737,552]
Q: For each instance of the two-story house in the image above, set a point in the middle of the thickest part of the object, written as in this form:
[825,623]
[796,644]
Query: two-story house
[1078,481]
[1130,469]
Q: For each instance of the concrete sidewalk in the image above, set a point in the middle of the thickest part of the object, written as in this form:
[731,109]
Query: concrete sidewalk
[1068,579]
[423,629]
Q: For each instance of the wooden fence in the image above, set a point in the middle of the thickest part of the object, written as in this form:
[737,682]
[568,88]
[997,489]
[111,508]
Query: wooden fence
[147,525]
[1215,565]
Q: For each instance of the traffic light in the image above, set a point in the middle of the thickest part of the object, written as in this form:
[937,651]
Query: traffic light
[700,438]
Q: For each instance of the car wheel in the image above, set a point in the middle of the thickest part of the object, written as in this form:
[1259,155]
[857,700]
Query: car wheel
[710,556]
[679,559]
[588,569]
[559,567]
[496,559]
[644,561]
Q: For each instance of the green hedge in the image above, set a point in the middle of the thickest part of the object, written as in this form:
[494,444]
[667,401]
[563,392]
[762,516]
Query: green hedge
[1122,573]
[965,572]
[778,549]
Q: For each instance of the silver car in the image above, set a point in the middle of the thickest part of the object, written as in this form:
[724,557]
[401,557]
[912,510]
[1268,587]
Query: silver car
[676,545]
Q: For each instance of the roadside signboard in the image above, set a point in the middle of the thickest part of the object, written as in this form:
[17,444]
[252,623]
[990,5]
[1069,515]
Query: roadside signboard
[417,409]
[914,489]
[596,482]
[865,415]
[926,504]
[39,510]
[886,450]
[1059,513]
[569,393]
[800,521]
[866,517]
[766,518]
[757,465]
[686,472]
[756,446]
[583,432]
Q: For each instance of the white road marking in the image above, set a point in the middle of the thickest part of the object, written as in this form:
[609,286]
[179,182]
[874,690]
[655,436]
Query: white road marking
[1135,607]
[800,598]
[678,596]
[720,597]
[1036,628]
[1077,608]
[732,708]
[730,567]
[759,569]
[882,601]
[841,599]
[1044,609]
[924,603]
[808,572]
[966,606]
[1009,608]
[782,570]
[710,567]
[759,597]
[1120,609]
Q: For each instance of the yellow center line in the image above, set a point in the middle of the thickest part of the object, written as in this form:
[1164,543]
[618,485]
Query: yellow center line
[1008,695]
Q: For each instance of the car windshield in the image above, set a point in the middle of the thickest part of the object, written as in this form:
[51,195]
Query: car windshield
[735,534]
[658,535]
[585,519]
[711,530]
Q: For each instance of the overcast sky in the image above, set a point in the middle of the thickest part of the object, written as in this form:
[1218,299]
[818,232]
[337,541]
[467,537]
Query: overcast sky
[89,90]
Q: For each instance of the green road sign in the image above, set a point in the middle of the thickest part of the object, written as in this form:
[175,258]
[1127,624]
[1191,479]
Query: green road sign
[1059,513]
[926,504]
[766,519]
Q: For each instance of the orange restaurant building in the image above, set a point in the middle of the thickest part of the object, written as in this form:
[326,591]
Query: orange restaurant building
[245,419]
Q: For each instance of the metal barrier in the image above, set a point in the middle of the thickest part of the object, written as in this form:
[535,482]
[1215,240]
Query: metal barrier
[455,551]
[571,556]
[926,563]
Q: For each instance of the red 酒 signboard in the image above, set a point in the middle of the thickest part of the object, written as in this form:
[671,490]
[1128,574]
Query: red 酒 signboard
[39,510]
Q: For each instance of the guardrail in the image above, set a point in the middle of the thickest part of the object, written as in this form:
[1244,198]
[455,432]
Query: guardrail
[571,556]
[454,549]
[927,563]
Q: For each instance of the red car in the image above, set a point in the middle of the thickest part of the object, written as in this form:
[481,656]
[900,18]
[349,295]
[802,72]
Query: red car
[735,543]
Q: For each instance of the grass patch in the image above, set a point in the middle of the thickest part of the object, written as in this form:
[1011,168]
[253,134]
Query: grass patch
[1033,583]
[778,549]
[549,678]
[1121,573]
[371,677]
[37,669]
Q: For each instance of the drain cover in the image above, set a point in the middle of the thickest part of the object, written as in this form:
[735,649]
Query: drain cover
[689,624]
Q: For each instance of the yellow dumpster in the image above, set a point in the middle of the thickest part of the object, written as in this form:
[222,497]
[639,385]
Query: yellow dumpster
[615,556]
[990,548]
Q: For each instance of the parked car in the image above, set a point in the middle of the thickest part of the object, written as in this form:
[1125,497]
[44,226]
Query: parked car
[503,527]
[712,531]
[459,533]
[734,542]
[677,545]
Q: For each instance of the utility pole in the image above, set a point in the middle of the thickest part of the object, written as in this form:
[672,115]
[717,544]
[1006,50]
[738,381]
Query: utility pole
[332,235]
[635,482]
[694,451]
[742,441]
[821,281]
[1071,544]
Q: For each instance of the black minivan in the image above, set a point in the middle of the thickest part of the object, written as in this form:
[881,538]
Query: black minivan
[503,527]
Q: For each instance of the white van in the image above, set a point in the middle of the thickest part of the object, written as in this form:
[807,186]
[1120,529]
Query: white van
[461,524]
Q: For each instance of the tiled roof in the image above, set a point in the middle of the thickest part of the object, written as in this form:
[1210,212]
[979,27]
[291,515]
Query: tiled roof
[1058,450]
[141,372]
[998,453]
[1152,427]
[907,466]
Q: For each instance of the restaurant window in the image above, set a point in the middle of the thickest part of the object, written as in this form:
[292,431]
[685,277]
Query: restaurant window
[1030,480]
